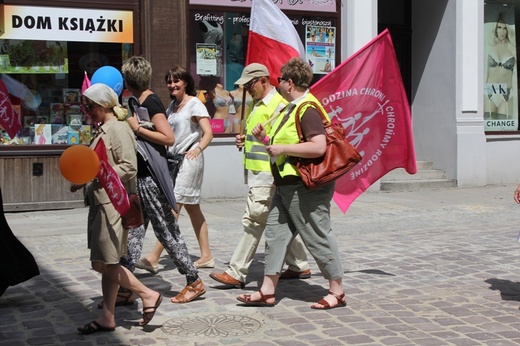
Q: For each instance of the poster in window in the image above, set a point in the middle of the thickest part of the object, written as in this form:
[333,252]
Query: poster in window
[57,113]
[43,134]
[71,95]
[33,57]
[501,82]
[85,134]
[74,121]
[60,134]
[72,137]
[320,48]
[206,59]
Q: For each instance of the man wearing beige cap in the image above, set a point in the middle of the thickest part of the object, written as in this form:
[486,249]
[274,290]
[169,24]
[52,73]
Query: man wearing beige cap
[266,102]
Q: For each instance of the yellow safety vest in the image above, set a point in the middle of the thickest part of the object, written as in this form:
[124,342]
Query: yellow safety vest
[255,155]
[287,134]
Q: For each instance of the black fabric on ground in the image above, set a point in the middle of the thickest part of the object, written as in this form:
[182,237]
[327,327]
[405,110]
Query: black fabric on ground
[17,264]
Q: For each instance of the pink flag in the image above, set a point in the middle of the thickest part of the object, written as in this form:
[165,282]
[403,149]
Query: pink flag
[9,119]
[110,181]
[86,83]
[273,39]
[366,95]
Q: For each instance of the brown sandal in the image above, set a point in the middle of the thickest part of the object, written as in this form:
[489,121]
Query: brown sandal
[325,304]
[149,312]
[196,287]
[246,299]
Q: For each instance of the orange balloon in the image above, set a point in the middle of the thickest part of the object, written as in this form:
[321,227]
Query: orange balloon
[79,164]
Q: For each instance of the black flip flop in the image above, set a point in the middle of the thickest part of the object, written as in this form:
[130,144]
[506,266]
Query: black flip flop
[94,327]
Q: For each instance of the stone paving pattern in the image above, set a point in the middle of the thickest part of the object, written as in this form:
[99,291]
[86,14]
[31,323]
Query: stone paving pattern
[432,267]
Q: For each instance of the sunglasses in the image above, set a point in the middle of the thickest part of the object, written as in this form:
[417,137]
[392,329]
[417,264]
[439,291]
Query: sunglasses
[280,79]
[250,84]
[86,107]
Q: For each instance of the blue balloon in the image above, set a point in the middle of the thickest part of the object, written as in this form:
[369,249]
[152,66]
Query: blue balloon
[110,76]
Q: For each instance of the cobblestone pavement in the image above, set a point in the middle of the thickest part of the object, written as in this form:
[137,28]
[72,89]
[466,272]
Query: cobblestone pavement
[434,267]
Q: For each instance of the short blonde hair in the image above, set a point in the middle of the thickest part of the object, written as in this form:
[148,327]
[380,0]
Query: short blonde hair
[137,73]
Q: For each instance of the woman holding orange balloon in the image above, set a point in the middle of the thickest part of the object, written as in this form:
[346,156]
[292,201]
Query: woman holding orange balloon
[107,239]
[79,165]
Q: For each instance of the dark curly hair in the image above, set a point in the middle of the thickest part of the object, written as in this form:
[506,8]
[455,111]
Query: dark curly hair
[179,72]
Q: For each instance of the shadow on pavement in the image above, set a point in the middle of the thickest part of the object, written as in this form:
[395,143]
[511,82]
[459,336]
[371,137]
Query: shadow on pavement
[509,290]
[370,271]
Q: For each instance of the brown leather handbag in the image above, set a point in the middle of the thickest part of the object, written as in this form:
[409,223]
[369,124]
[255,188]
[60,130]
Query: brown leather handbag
[340,156]
[134,216]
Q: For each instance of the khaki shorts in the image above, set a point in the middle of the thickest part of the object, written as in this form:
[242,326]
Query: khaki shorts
[107,240]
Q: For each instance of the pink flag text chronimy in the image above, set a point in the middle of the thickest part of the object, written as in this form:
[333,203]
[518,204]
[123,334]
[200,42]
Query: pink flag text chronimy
[9,119]
[110,181]
[273,39]
[366,95]
[86,83]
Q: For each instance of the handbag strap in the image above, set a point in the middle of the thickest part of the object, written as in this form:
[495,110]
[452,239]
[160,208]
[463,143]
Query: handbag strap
[298,121]
[132,186]
[288,110]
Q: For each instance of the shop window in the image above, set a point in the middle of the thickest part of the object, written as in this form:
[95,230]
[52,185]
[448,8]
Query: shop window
[501,93]
[217,51]
[44,80]
[45,54]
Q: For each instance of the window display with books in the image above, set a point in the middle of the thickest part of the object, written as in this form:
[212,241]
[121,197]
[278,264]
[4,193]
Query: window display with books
[47,102]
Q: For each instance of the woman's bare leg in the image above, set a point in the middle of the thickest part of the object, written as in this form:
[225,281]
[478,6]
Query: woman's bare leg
[200,226]
[113,276]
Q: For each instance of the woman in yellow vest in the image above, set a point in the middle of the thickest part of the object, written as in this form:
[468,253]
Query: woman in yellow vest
[266,106]
[294,208]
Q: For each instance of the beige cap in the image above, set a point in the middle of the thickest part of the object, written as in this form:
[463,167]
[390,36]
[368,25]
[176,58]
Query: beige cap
[252,71]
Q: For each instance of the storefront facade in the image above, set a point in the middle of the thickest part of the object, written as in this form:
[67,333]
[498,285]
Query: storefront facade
[451,121]
[222,27]
[45,52]
[442,46]
[447,102]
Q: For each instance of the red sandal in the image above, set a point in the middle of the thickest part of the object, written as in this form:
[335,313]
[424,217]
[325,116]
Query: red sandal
[325,304]
[246,299]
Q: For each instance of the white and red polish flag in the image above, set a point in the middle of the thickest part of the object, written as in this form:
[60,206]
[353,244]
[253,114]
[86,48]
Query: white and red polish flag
[9,119]
[273,39]
[366,95]
[110,181]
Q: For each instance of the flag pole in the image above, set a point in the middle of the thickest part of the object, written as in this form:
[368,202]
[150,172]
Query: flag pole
[242,111]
